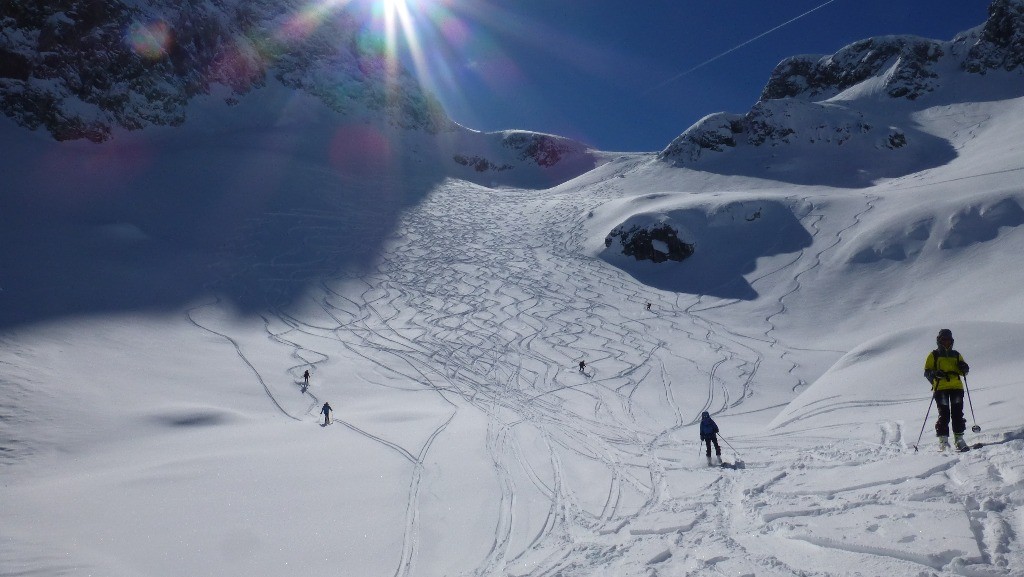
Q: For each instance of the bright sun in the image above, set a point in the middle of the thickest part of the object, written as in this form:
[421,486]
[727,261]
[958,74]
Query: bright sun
[402,9]
[396,15]
[399,19]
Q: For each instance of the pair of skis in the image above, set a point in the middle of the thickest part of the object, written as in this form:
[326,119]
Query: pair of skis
[964,450]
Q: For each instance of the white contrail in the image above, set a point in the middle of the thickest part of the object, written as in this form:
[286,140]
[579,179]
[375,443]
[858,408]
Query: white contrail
[738,46]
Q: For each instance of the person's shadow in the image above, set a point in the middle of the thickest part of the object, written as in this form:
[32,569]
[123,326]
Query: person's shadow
[1007,437]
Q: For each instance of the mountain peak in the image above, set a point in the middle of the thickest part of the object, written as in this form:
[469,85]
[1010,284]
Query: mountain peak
[860,98]
[908,63]
[911,76]
[1000,42]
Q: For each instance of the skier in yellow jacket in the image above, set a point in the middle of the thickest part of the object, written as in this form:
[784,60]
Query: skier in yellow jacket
[943,369]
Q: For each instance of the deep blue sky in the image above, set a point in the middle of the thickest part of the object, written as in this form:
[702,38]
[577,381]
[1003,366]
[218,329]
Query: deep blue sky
[596,70]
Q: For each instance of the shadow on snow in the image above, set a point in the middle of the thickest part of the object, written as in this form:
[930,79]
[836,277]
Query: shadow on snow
[255,218]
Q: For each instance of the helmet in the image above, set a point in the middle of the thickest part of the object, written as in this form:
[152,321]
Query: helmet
[944,334]
[705,414]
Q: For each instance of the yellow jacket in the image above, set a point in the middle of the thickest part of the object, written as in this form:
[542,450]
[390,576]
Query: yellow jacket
[943,368]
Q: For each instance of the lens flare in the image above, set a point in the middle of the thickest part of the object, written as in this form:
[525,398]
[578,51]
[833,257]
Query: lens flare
[455,31]
[443,45]
[305,22]
[238,66]
[151,41]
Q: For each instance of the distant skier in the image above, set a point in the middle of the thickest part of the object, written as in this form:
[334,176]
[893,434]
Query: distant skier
[943,369]
[326,410]
[583,366]
[709,434]
[305,378]
[648,306]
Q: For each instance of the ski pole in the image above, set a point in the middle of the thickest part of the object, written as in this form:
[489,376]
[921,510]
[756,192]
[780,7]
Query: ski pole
[975,428]
[730,445]
[919,435]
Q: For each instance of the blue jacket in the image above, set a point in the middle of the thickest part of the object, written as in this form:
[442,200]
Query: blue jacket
[708,427]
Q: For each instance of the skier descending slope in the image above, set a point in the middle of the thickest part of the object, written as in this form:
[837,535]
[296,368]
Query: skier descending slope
[708,434]
[943,369]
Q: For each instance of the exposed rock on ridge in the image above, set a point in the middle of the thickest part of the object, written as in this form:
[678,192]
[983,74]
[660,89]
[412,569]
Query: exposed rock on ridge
[530,159]
[810,77]
[908,63]
[1000,43]
[811,100]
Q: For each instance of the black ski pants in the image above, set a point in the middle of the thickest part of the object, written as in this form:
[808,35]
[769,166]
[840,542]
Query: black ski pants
[712,439]
[951,407]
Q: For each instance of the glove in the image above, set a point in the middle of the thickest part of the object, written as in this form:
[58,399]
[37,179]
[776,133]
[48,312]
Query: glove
[963,367]
[702,438]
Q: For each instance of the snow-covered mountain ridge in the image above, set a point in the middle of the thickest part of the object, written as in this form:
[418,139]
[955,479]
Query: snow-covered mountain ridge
[863,97]
[909,66]
[87,70]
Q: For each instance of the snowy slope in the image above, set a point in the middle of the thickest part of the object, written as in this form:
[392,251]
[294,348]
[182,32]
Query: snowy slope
[466,440]
[162,296]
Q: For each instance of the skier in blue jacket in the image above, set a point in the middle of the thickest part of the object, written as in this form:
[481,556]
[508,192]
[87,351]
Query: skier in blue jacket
[708,434]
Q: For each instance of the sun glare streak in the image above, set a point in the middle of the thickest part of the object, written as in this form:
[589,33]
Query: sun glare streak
[400,23]
[416,46]
[448,47]
[393,17]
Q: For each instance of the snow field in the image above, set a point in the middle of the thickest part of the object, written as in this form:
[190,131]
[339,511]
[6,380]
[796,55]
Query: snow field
[465,439]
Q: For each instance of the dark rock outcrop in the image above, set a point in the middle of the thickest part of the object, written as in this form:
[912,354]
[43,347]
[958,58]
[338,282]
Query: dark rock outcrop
[519,150]
[1000,43]
[907,60]
[480,164]
[640,243]
[542,149]
[714,132]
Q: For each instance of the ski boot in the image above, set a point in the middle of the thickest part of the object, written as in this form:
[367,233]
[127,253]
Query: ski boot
[961,445]
[943,443]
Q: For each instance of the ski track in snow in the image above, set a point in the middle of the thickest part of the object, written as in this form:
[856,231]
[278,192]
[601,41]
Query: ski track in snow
[485,300]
